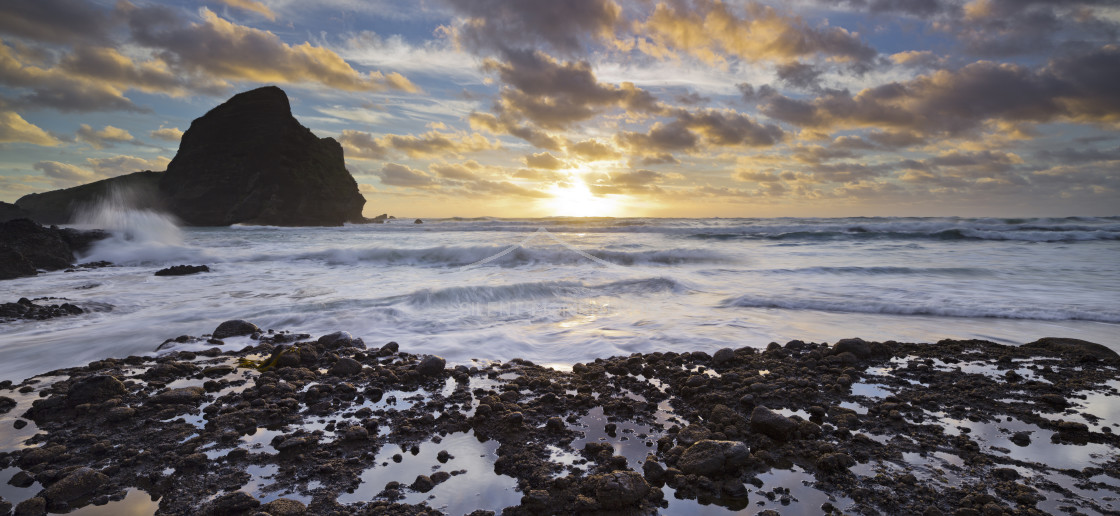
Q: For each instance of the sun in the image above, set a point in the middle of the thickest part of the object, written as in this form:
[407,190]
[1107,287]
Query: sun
[576,200]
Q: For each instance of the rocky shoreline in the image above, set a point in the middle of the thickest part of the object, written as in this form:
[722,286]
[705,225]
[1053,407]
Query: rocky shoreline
[246,421]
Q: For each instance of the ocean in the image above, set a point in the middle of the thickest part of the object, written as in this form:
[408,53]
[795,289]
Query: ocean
[558,291]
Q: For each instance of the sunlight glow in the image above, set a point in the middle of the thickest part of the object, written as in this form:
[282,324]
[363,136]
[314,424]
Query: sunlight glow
[576,200]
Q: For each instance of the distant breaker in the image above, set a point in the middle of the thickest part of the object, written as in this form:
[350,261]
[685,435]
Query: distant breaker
[247,161]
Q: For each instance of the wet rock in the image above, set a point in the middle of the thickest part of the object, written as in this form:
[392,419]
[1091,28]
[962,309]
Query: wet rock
[81,482]
[284,507]
[231,503]
[710,457]
[431,365]
[340,339]
[345,367]
[772,424]
[356,433]
[95,389]
[35,506]
[692,434]
[422,484]
[5,506]
[1054,400]
[45,454]
[235,328]
[6,404]
[417,221]
[1073,347]
[619,489]
[722,356]
[181,396]
[857,347]
[1005,473]
[26,309]
[1021,438]
[835,462]
[182,270]
[21,479]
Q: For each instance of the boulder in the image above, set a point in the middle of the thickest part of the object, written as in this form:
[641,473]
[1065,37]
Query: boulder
[1078,347]
[431,365]
[82,482]
[710,457]
[340,339]
[182,270]
[773,424]
[231,503]
[619,489]
[284,507]
[139,189]
[235,328]
[34,506]
[95,389]
[345,367]
[250,161]
[180,396]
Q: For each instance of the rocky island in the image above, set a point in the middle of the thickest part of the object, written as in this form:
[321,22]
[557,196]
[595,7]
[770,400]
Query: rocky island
[247,161]
[253,421]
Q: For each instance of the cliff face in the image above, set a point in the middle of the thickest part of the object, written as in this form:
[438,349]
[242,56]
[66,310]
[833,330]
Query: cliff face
[11,212]
[59,206]
[249,161]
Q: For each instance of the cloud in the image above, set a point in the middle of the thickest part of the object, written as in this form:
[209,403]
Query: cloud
[714,31]
[503,25]
[362,145]
[219,48]
[798,75]
[393,174]
[1078,88]
[727,127]
[503,188]
[64,174]
[56,21]
[13,129]
[593,150]
[118,165]
[104,137]
[627,182]
[169,134]
[436,58]
[544,160]
[460,172]
[252,6]
[55,88]
[660,138]
[555,95]
[506,125]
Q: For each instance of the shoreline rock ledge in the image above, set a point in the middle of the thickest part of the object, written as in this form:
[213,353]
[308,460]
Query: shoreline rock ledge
[250,161]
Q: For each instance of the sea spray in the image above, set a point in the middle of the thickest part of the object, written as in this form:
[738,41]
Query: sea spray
[139,235]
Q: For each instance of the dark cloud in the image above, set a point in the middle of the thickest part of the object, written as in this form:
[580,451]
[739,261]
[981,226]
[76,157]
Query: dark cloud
[661,138]
[1077,88]
[56,21]
[460,172]
[393,174]
[799,75]
[556,94]
[726,128]
[506,125]
[502,25]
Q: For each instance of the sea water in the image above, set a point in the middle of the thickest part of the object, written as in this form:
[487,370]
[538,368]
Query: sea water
[564,290]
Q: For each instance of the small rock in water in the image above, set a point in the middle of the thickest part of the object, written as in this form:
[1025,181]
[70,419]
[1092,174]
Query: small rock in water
[182,270]
[431,365]
[417,221]
[235,328]
[771,423]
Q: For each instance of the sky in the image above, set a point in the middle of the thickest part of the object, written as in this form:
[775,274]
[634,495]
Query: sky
[689,108]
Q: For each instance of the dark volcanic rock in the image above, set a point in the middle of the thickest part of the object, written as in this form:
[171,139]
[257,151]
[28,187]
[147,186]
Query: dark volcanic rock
[10,211]
[182,270]
[233,503]
[284,507]
[25,246]
[40,247]
[95,389]
[709,457]
[1073,347]
[81,482]
[139,189]
[431,365]
[771,423]
[249,161]
[619,489]
[25,309]
[235,328]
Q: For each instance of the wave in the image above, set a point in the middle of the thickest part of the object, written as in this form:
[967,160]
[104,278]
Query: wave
[452,256]
[138,236]
[904,307]
[1070,229]
[883,271]
[534,291]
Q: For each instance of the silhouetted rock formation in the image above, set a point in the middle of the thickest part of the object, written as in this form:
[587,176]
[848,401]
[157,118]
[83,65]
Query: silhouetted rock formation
[26,247]
[60,206]
[249,161]
[10,211]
